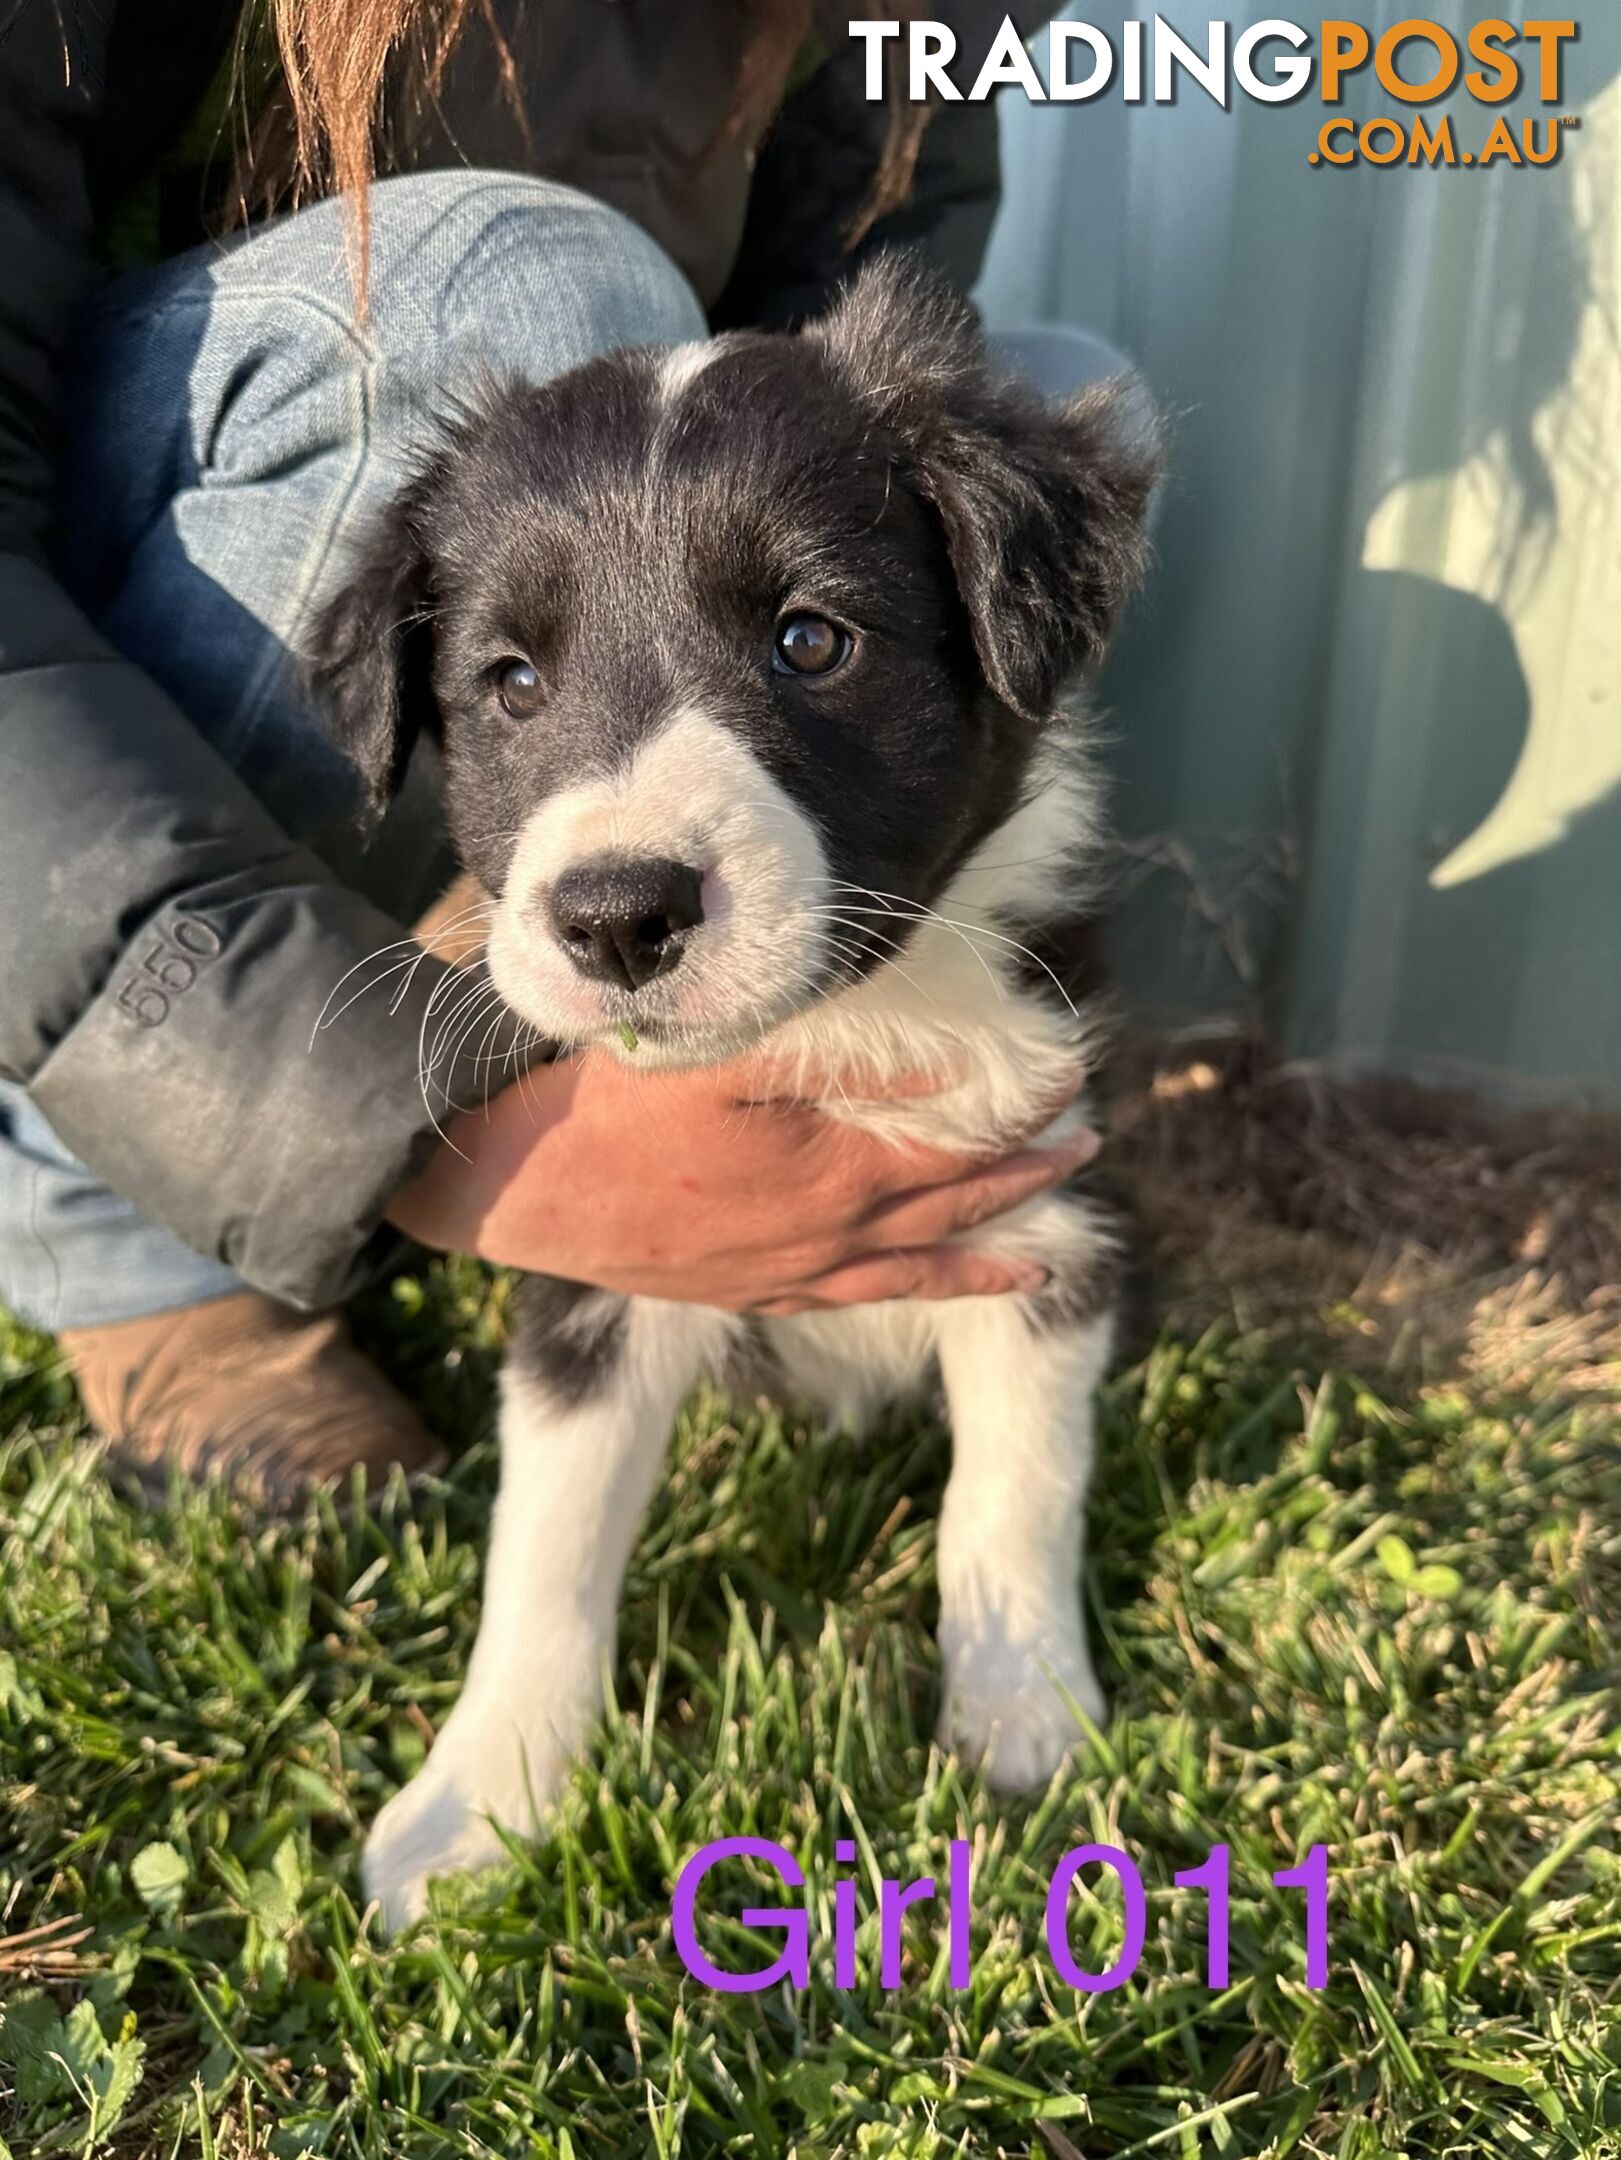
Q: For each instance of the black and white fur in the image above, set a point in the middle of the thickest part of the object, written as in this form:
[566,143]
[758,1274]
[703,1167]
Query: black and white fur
[879,847]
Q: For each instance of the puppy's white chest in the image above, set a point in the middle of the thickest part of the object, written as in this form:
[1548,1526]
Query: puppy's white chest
[975,1053]
[961,1018]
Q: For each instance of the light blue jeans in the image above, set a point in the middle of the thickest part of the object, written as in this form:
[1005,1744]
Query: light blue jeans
[233,428]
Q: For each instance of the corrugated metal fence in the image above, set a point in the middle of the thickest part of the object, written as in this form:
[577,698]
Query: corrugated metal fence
[1368,721]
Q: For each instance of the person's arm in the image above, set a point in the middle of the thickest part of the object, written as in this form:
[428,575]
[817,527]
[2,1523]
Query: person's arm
[816,168]
[165,949]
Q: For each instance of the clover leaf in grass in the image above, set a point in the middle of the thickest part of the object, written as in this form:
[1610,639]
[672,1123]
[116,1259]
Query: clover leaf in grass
[160,1874]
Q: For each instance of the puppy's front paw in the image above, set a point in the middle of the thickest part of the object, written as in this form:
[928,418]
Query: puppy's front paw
[1007,1705]
[443,1822]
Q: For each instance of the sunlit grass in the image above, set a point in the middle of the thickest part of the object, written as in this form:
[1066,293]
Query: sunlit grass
[1385,1621]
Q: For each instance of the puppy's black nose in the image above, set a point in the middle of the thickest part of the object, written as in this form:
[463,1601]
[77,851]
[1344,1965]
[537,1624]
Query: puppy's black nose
[624,919]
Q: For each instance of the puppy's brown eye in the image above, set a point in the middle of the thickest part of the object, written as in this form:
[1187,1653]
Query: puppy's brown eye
[810,645]
[518,687]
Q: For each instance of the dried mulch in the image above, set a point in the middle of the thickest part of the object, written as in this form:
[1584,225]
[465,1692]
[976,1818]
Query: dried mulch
[1412,1227]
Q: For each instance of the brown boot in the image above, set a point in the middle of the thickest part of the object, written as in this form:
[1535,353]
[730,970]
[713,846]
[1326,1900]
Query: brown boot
[272,1401]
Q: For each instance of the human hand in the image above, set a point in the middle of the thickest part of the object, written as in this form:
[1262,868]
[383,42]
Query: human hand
[709,1188]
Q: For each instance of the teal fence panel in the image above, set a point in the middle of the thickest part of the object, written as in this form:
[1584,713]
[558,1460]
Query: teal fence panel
[1366,724]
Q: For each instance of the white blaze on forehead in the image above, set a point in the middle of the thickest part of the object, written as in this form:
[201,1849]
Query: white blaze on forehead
[682,365]
[692,793]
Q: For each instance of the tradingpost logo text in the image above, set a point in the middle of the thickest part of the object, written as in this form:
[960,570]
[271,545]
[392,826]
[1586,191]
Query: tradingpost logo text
[1417,64]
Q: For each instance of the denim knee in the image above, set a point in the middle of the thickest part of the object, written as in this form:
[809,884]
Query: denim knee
[470,275]
[467,270]
[526,274]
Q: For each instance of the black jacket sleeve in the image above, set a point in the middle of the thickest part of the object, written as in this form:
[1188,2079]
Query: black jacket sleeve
[165,950]
[816,169]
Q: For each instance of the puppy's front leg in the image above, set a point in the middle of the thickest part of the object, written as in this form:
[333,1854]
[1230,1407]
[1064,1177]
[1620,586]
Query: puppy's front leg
[589,1395]
[1020,1380]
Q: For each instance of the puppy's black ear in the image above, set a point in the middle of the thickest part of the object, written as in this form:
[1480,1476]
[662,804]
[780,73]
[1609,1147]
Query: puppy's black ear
[369,662]
[1043,505]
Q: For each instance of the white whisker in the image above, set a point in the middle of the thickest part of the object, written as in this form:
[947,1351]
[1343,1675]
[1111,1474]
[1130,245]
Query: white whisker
[923,913]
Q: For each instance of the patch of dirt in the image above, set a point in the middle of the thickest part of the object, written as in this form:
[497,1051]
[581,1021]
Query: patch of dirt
[1419,1229]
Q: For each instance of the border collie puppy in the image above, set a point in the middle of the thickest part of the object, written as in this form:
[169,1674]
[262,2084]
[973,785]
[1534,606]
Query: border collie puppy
[755,667]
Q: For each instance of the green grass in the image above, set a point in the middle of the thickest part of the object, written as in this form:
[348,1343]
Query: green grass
[1386,1620]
